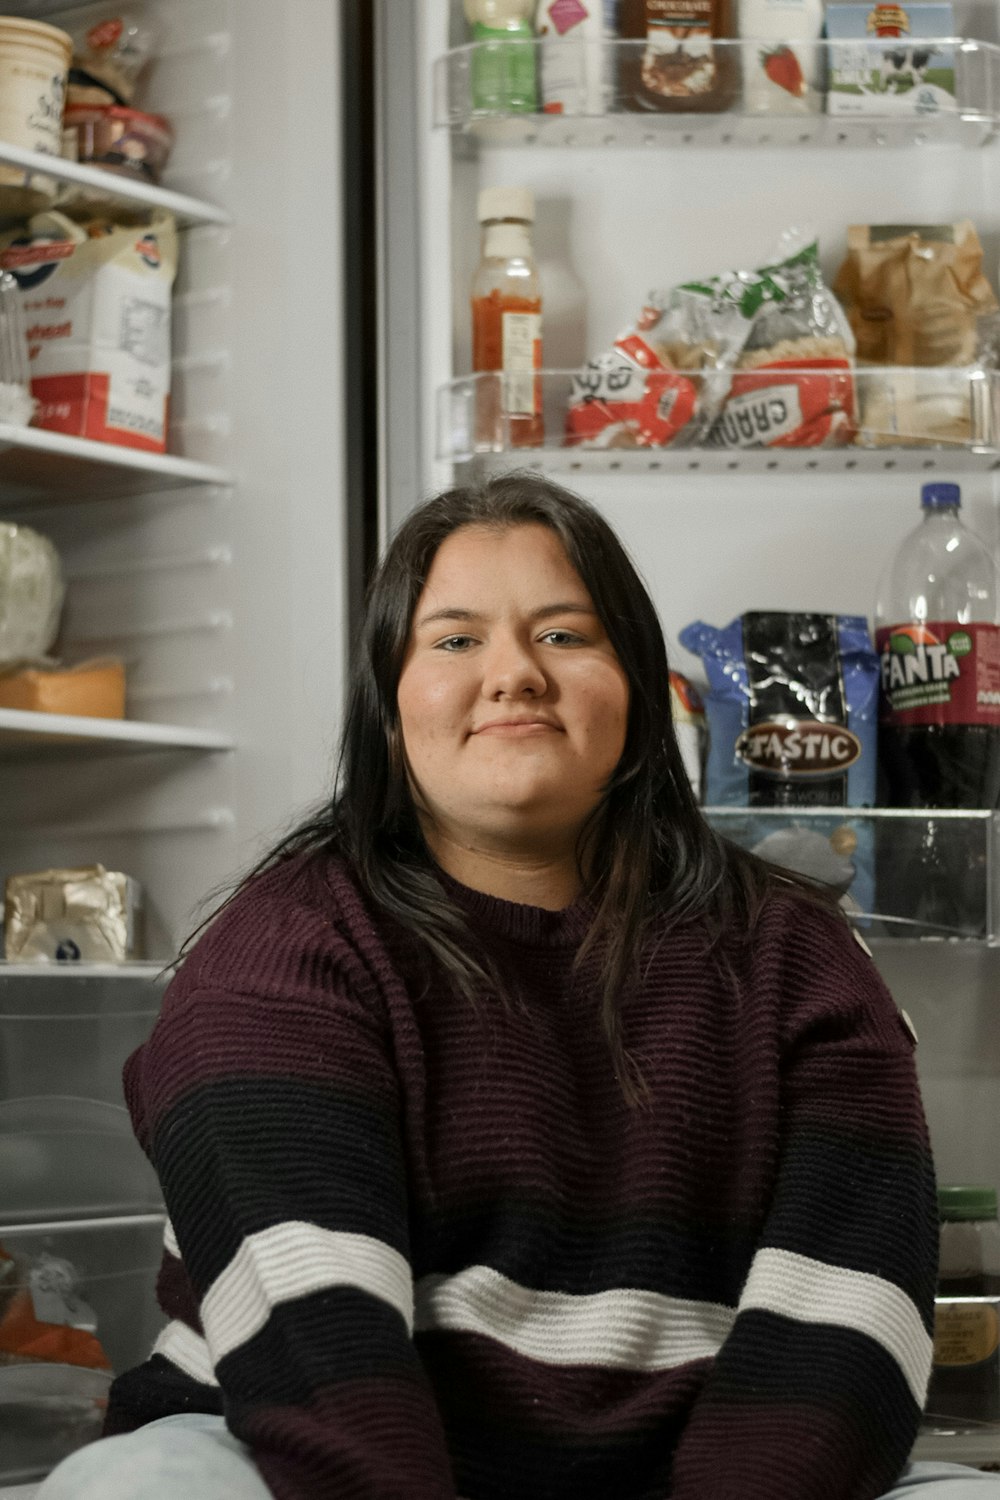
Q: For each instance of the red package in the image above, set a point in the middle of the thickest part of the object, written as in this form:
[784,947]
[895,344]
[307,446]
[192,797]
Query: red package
[805,403]
[42,1318]
[629,399]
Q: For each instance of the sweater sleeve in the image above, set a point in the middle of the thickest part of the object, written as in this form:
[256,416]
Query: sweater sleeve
[271,1114]
[818,1388]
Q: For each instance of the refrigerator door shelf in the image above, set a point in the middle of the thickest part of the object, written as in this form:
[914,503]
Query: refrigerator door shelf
[875,419]
[905,875]
[978,1448]
[888,110]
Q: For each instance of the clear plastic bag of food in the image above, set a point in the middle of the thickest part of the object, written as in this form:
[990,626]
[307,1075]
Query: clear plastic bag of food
[110,55]
[43,1318]
[919,301]
[746,359]
[54,1371]
[32,591]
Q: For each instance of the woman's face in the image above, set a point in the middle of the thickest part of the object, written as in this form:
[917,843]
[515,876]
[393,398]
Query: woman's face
[512,702]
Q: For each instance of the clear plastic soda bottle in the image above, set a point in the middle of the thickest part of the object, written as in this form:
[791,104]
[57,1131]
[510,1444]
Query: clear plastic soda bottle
[937,631]
[503,64]
[938,639]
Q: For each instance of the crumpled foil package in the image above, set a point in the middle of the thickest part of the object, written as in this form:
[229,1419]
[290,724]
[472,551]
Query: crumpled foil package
[86,915]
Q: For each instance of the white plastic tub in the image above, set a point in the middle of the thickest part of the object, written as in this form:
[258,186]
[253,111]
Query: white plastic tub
[34,62]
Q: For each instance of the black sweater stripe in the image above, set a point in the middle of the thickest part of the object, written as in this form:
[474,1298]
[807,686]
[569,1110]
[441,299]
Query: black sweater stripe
[361,1189]
[368,1346]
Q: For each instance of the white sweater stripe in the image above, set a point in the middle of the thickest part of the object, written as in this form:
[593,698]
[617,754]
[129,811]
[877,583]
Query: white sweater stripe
[295,1259]
[170,1240]
[810,1291]
[622,1329]
[187,1350]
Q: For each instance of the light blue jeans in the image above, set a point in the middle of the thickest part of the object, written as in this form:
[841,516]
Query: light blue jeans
[180,1458]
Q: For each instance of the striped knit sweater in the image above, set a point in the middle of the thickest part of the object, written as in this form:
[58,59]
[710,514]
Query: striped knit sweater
[422,1249]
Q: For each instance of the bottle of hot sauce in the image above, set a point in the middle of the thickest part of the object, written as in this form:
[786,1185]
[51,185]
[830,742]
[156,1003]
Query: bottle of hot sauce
[507,322]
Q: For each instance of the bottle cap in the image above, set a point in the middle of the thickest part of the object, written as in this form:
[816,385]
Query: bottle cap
[957,1203]
[506,203]
[940,496]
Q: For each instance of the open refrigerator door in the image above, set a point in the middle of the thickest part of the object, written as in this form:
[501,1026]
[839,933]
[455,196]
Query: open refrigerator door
[766,471]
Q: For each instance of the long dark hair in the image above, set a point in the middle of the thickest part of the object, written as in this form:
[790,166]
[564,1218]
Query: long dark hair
[645,853]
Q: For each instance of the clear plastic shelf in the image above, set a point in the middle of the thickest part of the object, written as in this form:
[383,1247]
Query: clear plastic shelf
[977,1446]
[605,113]
[91,188]
[26,733]
[38,467]
[148,970]
[888,418]
[66,1030]
[907,874]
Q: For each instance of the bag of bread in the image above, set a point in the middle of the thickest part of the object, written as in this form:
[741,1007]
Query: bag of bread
[914,292]
[793,384]
[746,359]
[918,300]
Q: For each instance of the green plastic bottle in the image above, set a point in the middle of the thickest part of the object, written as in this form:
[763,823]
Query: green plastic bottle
[503,71]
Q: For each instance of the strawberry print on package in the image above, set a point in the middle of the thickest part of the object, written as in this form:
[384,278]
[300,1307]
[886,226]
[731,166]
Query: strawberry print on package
[97,311]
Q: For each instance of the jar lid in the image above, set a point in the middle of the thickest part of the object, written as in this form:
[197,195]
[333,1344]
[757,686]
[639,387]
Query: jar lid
[132,119]
[967,1203]
[506,203]
[20,28]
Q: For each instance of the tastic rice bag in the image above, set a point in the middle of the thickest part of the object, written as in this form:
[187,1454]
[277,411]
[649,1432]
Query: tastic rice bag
[792,709]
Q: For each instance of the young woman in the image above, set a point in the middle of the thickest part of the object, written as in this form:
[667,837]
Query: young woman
[521,1138]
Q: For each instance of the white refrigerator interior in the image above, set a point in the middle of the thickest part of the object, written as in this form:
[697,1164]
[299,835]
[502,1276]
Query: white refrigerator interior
[644,205]
[219,575]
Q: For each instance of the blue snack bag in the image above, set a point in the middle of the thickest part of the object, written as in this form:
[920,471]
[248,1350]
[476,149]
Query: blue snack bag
[792,709]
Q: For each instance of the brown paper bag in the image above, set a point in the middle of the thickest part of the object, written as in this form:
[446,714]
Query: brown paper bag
[913,292]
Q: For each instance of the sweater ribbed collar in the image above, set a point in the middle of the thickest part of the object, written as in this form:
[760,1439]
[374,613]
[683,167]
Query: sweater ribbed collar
[534,926]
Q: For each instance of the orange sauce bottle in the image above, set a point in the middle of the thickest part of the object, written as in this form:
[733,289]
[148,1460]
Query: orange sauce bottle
[507,323]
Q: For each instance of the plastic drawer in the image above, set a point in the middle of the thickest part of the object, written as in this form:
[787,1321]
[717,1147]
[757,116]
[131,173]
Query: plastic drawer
[71,1034]
[62,1157]
[48,1410]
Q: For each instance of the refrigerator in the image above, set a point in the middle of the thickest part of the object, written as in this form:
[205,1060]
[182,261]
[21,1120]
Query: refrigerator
[221,575]
[326,169]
